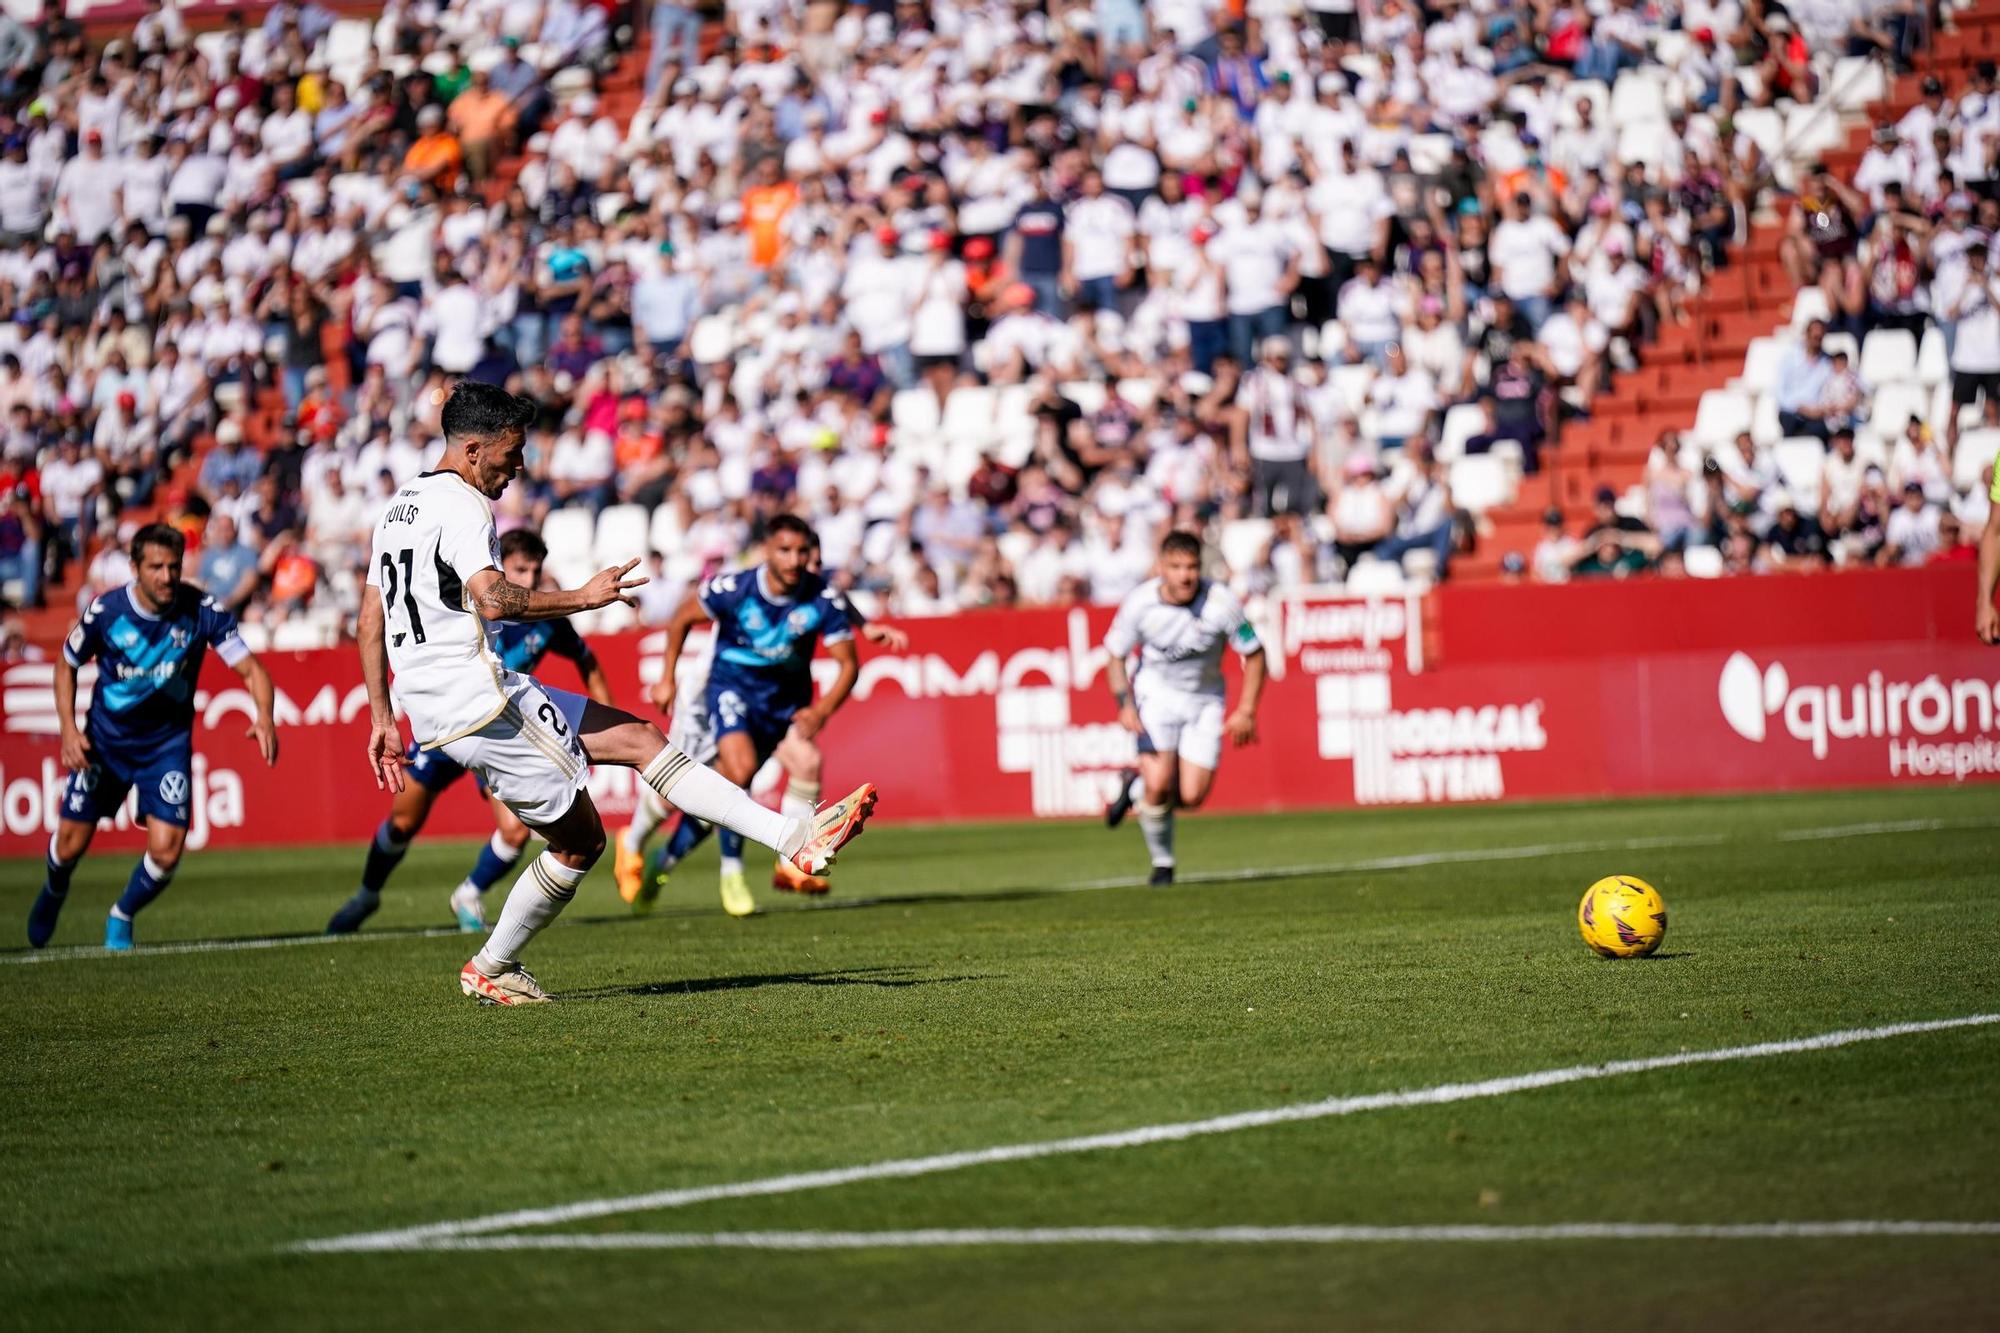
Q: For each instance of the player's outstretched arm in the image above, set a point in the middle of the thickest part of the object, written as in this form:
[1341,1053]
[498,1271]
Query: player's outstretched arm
[498,599]
[1986,623]
[687,615]
[385,740]
[265,728]
[1242,722]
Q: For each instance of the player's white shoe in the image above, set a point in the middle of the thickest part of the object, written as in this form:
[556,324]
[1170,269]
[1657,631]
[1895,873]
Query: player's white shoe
[833,827]
[514,986]
[469,906]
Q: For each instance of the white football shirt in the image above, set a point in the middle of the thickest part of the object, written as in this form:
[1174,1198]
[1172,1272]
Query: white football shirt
[1180,647]
[436,533]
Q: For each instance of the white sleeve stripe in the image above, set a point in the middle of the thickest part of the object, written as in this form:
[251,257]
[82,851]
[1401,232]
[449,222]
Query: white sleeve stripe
[231,649]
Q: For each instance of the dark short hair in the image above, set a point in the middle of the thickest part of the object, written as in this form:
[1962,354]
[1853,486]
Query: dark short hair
[522,541]
[158,534]
[1181,543]
[792,523]
[480,410]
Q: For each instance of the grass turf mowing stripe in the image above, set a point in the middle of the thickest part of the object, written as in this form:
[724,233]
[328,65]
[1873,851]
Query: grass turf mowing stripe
[420,1237]
[1415,860]
[1243,1235]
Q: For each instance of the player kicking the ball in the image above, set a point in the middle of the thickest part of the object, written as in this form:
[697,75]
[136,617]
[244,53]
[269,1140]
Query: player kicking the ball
[1178,623]
[521,648]
[796,763]
[433,587]
[148,638]
[759,698]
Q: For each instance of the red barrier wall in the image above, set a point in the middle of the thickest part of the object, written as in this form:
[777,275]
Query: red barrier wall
[1585,690]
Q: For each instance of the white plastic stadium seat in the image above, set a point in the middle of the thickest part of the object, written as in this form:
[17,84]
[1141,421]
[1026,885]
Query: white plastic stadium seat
[664,531]
[1813,130]
[1801,459]
[1764,127]
[1932,366]
[1843,342]
[1352,382]
[1976,448]
[1761,362]
[1481,482]
[1243,541]
[1895,404]
[569,534]
[1640,95]
[1888,356]
[1088,395]
[1857,81]
[621,534]
[1461,423]
[1810,304]
[1764,427]
[1140,393]
[1702,562]
[1723,414]
[970,416]
[1375,578]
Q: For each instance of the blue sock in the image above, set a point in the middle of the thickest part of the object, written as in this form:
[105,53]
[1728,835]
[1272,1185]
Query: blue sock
[56,875]
[149,880]
[731,843]
[385,853]
[496,858]
[686,838]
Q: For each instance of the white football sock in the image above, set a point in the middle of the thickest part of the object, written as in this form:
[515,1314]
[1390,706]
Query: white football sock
[1156,822]
[732,865]
[645,818]
[706,794]
[800,799]
[538,898]
[1137,791]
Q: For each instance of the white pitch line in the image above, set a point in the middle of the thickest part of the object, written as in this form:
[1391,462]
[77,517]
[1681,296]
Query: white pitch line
[1411,861]
[420,1237]
[931,1238]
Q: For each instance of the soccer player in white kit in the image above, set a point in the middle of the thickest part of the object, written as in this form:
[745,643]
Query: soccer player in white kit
[434,586]
[1178,624]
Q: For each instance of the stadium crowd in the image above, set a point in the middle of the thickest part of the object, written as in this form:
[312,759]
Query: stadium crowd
[987,291]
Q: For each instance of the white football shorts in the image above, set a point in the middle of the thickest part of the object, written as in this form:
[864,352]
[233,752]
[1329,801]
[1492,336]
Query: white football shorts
[691,730]
[530,755]
[1177,722]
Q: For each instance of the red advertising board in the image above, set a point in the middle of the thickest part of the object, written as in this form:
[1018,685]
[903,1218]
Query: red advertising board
[1475,694]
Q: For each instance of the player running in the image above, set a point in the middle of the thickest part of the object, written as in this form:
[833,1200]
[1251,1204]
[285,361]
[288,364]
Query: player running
[797,763]
[148,638]
[758,702]
[521,647]
[1173,702]
[433,586]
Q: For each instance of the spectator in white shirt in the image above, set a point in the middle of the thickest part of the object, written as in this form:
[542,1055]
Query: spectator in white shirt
[1260,270]
[1097,246]
[1527,251]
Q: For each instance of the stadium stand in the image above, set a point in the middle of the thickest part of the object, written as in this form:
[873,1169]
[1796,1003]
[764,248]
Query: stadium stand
[992,293]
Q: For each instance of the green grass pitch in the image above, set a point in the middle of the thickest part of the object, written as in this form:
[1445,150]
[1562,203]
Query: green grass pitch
[173,1123]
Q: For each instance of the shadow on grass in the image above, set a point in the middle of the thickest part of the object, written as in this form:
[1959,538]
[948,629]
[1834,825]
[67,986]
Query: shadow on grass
[886,977]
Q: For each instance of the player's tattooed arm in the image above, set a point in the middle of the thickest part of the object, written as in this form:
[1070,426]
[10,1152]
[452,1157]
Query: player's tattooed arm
[498,599]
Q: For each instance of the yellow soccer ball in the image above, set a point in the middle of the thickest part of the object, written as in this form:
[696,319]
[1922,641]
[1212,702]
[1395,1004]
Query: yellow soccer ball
[1622,917]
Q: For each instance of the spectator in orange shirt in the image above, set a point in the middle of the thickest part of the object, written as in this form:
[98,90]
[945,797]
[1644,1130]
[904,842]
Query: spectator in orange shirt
[435,156]
[765,205]
[483,120]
